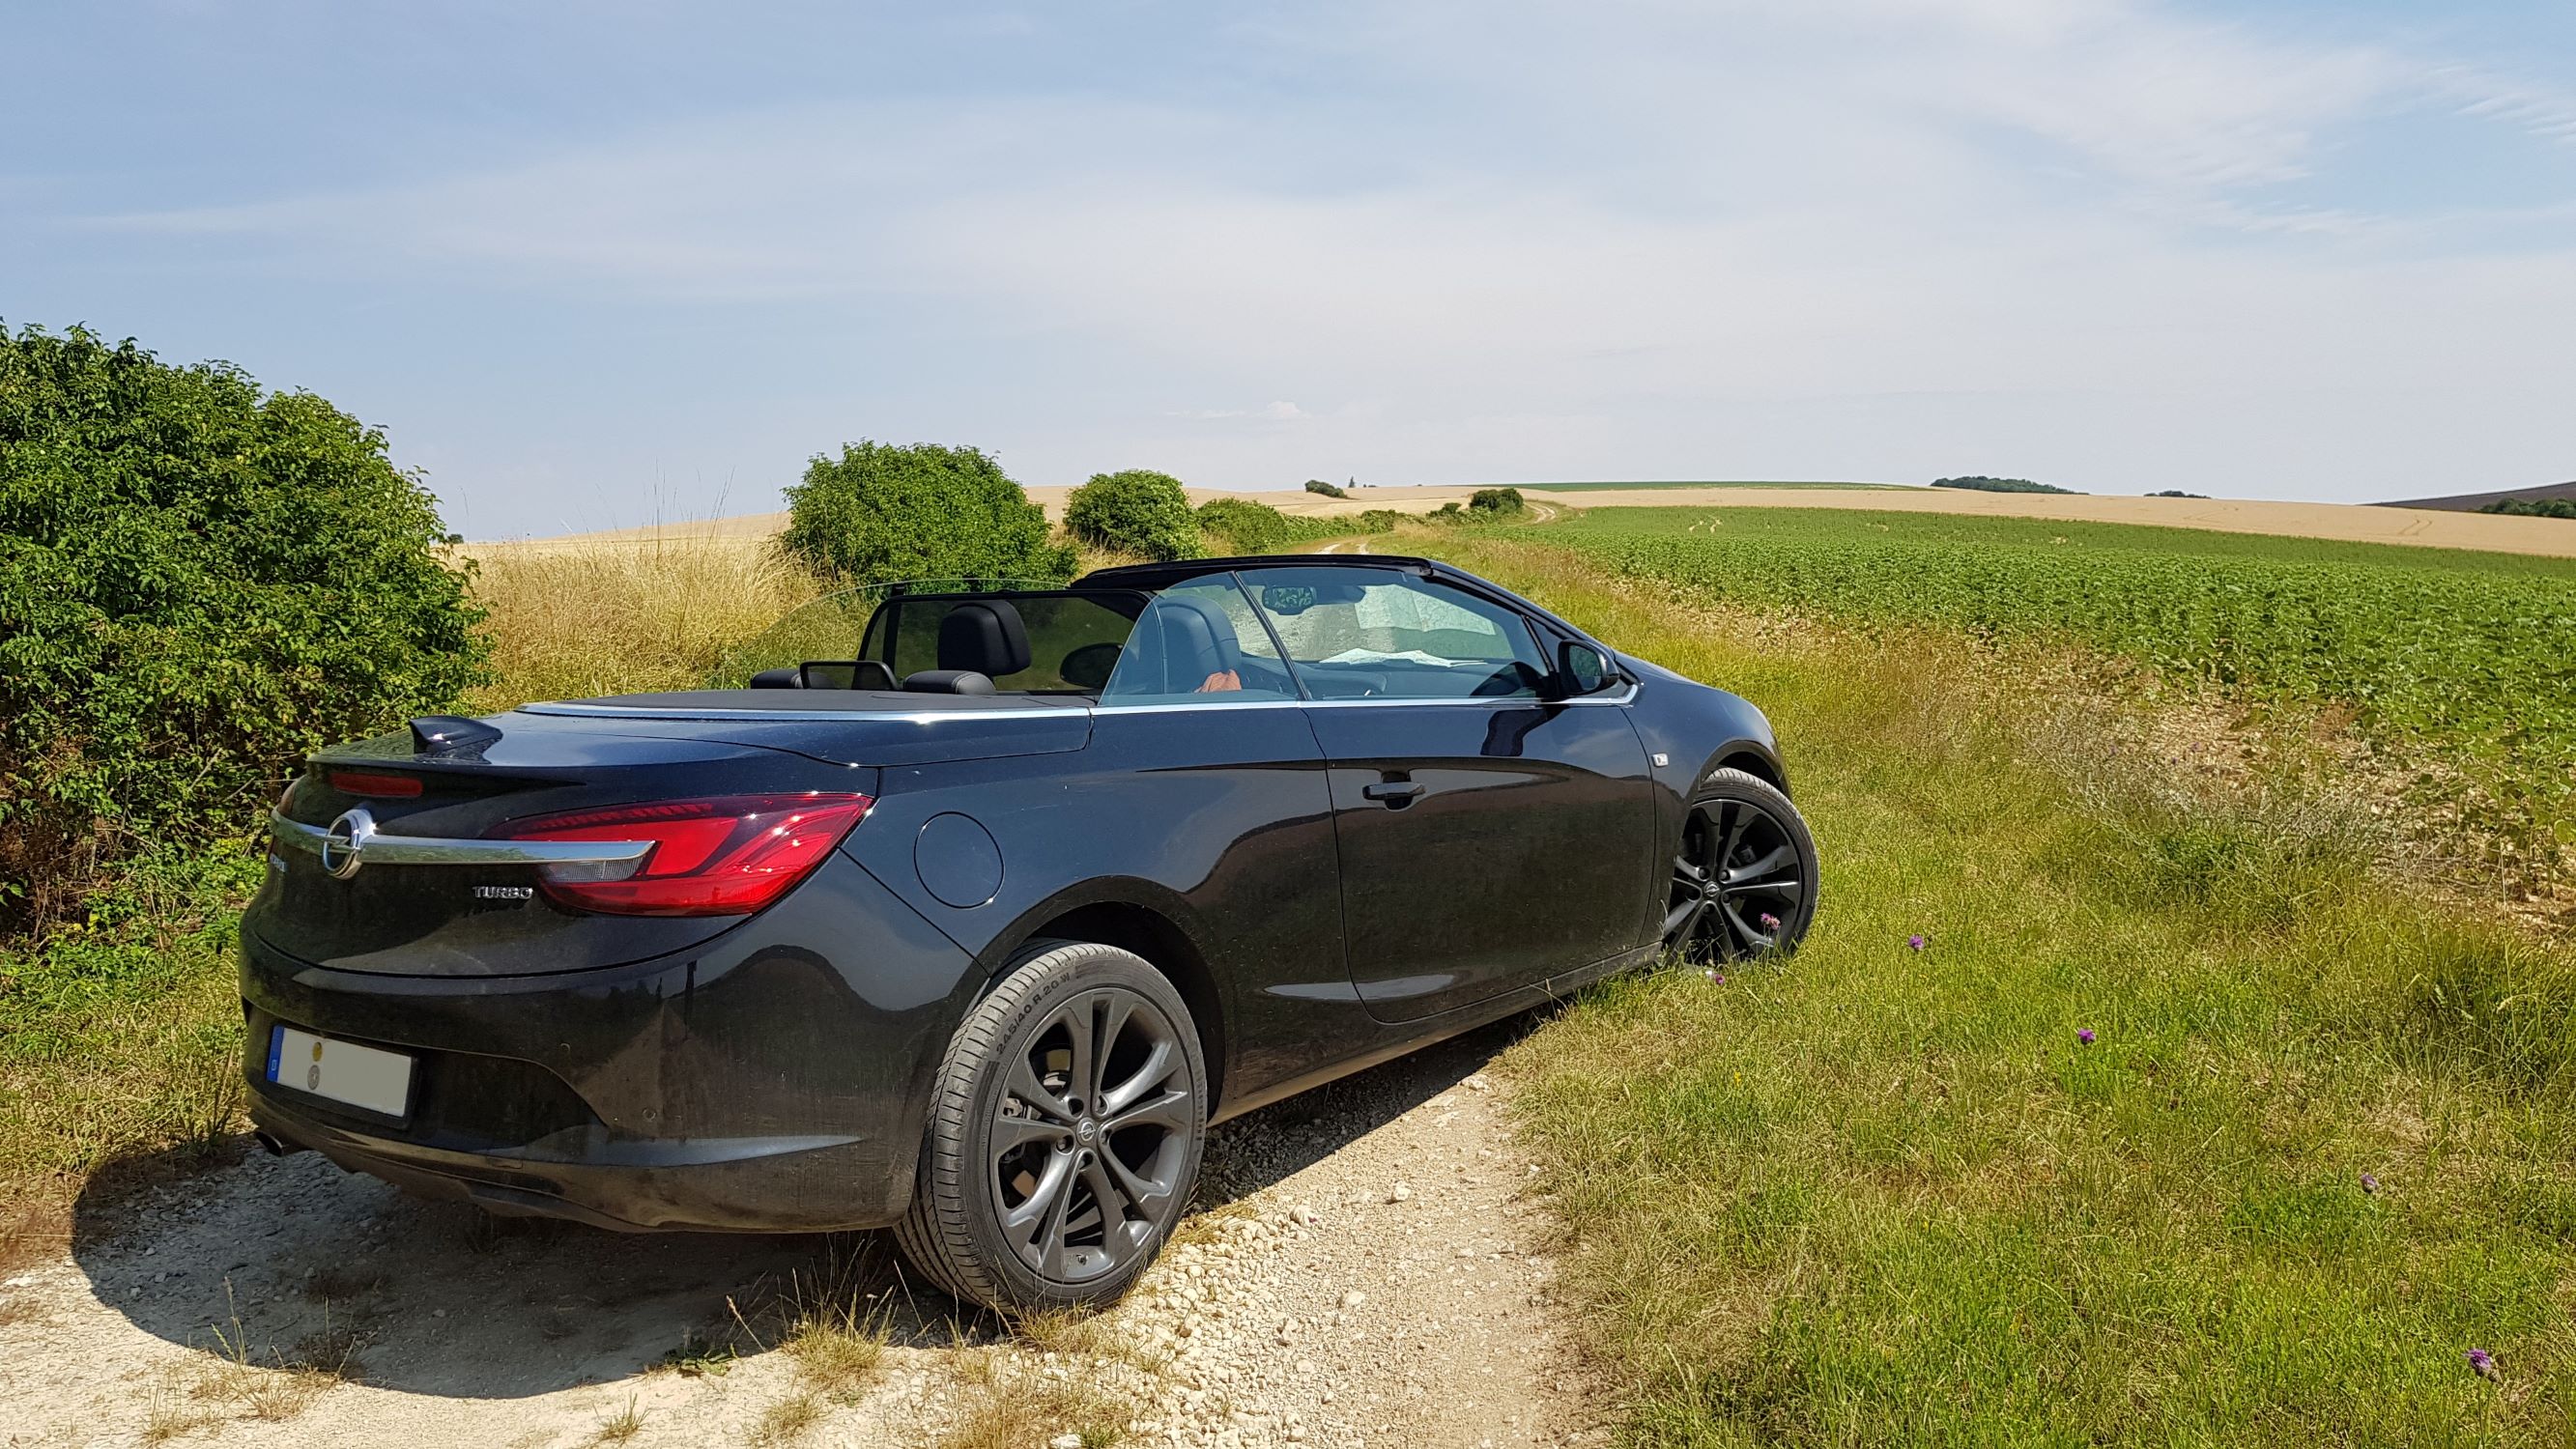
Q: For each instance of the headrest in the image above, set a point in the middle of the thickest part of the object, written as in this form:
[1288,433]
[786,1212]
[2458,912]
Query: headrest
[985,636]
[1191,639]
[947,681]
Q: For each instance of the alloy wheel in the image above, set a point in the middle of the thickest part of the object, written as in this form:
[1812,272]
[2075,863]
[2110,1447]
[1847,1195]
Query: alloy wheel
[1737,882]
[1091,1138]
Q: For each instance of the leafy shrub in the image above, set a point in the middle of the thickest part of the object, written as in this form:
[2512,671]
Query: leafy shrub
[882,512]
[1485,505]
[1239,525]
[1242,525]
[199,582]
[1137,511]
[2533,507]
[1982,484]
[1318,485]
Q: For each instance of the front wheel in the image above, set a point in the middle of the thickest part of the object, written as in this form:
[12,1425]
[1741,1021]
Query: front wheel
[1064,1133]
[1743,875]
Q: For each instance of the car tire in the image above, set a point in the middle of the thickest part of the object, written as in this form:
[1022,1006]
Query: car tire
[1031,1131]
[1744,872]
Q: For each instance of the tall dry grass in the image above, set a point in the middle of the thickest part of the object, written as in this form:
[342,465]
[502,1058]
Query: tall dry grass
[575,618]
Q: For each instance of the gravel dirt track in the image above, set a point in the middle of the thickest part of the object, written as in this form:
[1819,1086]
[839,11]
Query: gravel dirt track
[1369,1266]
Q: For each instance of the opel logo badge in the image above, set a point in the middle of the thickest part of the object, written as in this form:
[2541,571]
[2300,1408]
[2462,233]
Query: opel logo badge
[346,841]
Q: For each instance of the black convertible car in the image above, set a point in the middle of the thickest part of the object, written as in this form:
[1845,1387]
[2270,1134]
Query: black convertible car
[973,925]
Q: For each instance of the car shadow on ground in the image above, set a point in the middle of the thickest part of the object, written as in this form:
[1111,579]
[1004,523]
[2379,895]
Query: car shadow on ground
[290,1261]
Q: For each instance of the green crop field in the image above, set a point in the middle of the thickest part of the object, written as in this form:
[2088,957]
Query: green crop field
[1604,486]
[2461,655]
[2111,1101]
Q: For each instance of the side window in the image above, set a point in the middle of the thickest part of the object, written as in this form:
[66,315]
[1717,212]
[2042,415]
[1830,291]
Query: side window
[1369,633]
[1199,643]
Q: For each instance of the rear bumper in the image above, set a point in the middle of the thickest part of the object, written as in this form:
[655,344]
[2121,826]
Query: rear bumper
[783,1184]
[774,1079]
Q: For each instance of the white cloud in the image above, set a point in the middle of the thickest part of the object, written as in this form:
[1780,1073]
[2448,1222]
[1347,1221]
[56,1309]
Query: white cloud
[1777,236]
[1278,412]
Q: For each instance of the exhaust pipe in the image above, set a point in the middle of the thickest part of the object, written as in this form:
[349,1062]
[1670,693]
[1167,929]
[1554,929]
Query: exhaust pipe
[275,1145]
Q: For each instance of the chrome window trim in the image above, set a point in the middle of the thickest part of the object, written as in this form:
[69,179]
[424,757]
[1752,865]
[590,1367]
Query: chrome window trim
[1493,701]
[808,716]
[1264,702]
[440,850]
[826,716]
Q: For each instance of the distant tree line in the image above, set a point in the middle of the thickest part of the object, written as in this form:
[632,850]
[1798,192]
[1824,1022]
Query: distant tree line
[2174,493]
[2532,507]
[1983,484]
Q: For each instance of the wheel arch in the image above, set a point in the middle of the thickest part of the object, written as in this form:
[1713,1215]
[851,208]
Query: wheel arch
[1758,763]
[1129,916]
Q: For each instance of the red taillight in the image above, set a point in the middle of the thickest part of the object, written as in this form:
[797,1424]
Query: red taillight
[362,782]
[720,857]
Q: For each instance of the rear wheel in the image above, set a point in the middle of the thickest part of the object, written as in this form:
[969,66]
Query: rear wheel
[1743,875]
[1064,1135]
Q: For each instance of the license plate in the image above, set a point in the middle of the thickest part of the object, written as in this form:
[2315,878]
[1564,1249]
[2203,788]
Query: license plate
[362,1076]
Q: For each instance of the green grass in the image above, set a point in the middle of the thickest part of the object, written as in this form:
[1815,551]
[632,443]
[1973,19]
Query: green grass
[2453,660]
[120,1033]
[1869,1195]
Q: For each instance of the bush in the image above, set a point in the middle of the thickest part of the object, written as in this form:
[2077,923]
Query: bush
[1496,502]
[199,583]
[880,513]
[1318,485]
[1982,484]
[1138,511]
[2175,493]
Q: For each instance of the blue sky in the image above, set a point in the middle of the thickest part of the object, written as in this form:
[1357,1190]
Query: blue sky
[589,264]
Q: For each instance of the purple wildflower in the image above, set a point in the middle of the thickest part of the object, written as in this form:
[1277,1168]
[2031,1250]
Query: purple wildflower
[2484,1363]
[2084,1035]
[1769,921]
[2369,1184]
[1915,940]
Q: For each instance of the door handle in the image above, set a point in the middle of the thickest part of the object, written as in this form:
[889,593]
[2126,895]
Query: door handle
[1394,794]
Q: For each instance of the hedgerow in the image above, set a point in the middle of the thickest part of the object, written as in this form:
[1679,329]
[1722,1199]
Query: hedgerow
[1242,526]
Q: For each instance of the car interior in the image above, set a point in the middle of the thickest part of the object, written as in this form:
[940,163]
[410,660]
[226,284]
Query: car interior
[1349,641]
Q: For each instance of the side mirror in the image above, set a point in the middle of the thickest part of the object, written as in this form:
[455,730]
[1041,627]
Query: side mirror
[1582,669]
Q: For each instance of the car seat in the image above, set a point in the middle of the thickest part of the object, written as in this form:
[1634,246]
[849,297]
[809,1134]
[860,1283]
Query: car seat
[1180,645]
[979,642]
